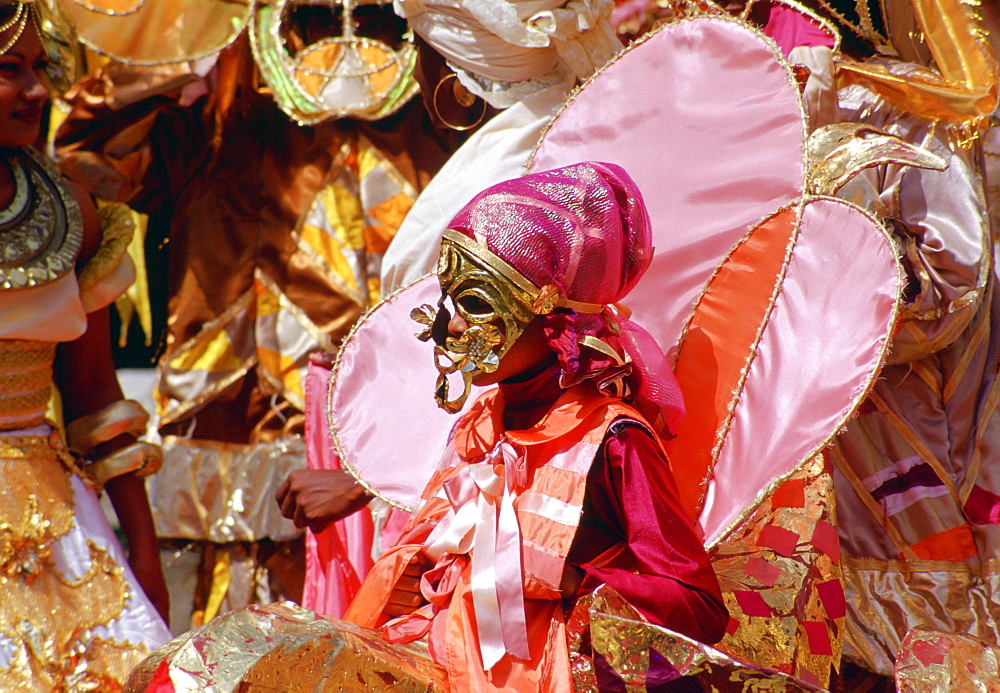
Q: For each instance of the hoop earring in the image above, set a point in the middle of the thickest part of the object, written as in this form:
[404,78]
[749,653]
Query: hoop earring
[462,96]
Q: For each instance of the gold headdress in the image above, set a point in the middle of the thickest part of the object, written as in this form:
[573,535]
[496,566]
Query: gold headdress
[342,74]
[55,31]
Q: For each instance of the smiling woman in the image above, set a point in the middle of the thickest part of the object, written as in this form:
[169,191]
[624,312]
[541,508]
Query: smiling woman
[22,87]
[73,616]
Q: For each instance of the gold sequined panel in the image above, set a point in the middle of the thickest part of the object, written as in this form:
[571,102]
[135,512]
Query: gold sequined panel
[47,618]
[929,661]
[781,579]
[25,382]
[780,576]
[637,655]
[259,648]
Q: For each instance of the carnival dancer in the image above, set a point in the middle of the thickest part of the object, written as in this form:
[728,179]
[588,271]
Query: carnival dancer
[555,482]
[533,268]
[73,614]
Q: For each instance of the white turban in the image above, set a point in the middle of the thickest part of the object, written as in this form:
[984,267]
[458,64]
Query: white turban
[502,50]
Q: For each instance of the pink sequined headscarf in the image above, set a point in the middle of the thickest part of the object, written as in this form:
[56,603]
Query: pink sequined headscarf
[583,229]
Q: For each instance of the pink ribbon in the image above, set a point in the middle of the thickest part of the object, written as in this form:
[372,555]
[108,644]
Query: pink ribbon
[482,516]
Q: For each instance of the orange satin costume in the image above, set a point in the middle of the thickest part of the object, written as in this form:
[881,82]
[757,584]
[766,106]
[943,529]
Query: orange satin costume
[551,487]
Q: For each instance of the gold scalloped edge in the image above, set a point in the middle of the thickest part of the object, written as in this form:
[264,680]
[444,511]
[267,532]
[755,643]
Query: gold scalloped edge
[334,430]
[110,13]
[210,52]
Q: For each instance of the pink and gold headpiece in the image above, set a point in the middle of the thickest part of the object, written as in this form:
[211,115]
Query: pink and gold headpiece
[566,245]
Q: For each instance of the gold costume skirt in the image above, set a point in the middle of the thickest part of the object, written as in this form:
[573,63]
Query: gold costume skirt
[72,616]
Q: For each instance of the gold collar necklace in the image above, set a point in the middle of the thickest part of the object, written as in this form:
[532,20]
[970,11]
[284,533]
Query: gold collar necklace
[41,229]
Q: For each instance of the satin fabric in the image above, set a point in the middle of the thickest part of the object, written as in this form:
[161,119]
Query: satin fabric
[367,370]
[729,126]
[658,535]
[158,31]
[711,91]
[72,594]
[947,35]
[916,470]
[69,594]
[632,500]
[821,341]
[732,106]
[339,557]
[19,318]
[505,51]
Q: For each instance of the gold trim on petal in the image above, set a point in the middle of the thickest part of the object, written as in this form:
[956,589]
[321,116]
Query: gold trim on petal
[331,422]
[722,433]
[779,57]
[861,393]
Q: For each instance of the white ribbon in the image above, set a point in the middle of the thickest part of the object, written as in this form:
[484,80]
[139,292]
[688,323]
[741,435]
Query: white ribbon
[482,517]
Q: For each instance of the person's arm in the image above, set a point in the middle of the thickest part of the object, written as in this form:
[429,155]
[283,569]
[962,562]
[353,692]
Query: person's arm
[316,498]
[86,378]
[665,572]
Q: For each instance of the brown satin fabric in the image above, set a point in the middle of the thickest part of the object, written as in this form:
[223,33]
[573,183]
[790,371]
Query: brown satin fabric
[233,197]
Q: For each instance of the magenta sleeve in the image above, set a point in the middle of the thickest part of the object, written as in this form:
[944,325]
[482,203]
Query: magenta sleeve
[665,572]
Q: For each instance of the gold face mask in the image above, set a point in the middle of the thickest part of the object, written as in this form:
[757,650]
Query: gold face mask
[485,290]
[483,297]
